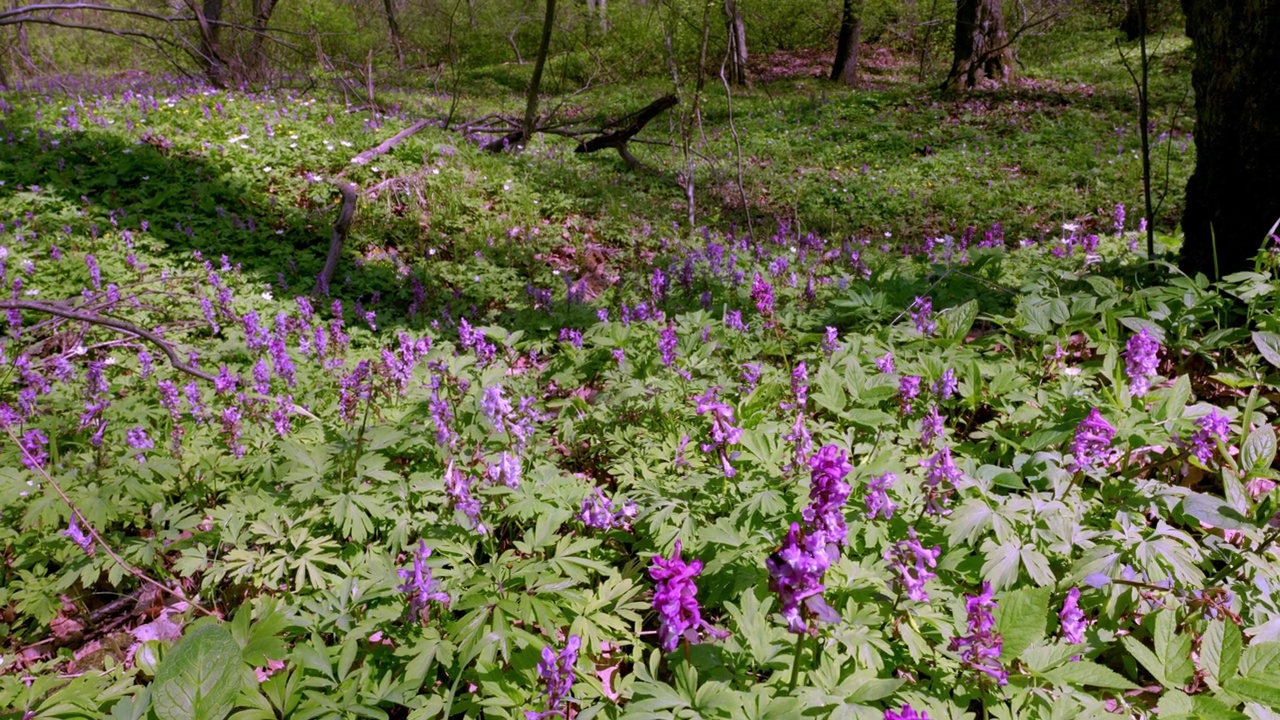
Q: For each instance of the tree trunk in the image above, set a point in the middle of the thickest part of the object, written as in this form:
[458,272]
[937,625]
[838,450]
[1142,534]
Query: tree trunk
[1232,199]
[1134,24]
[737,51]
[845,68]
[535,83]
[393,26]
[208,17]
[982,50]
[262,10]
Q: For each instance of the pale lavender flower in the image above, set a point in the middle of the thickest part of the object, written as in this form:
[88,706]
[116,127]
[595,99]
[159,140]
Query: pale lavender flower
[911,564]
[1073,622]
[1210,429]
[795,574]
[884,363]
[941,477]
[1141,359]
[923,317]
[667,342]
[980,649]
[495,407]
[33,444]
[507,470]
[139,440]
[908,390]
[1093,438]
[557,671]
[931,426]
[946,385]
[419,585]
[619,354]
[830,341]
[78,536]
[877,497]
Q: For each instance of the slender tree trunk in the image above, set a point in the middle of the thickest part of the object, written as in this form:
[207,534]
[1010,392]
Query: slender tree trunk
[845,68]
[982,50]
[393,26]
[535,83]
[1232,199]
[737,32]
[262,10]
[208,15]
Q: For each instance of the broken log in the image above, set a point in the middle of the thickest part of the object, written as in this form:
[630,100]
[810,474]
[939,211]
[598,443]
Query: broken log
[386,145]
[346,213]
[615,134]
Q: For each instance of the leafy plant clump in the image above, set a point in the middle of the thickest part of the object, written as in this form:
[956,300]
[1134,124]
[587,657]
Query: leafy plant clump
[754,477]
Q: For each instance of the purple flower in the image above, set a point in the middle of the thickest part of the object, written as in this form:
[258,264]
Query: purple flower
[795,574]
[598,511]
[799,387]
[762,294]
[139,440]
[931,426]
[353,389]
[941,477]
[733,321]
[145,365]
[557,671]
[828,493]
[458,486]
[33,444]
[230,421]
[1210,429]
[884,363]
[225,382]
[877,498]
[906,713]
[419,585]
[667,342]
[1073,623]
[78,536]
[908,390]
[1093,437]
[923,317]
[571,336]
[980,649]
[723,430]
[1141,358]
[830,341]
[674,599]
[95,272]
[495,407]
[619,354]
[946,385]
[749,377]
[911,564]
[507,470]
[1118,217]
[801,441]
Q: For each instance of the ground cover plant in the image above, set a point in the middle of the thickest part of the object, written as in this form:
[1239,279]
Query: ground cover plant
[922,434]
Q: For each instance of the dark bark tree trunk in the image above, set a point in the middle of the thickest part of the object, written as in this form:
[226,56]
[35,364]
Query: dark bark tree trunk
[982,49]
[737,51]
[262,10]
[393,26]
[1232,197]
[1134,24]
[845,68]
[535,83]
[208,16]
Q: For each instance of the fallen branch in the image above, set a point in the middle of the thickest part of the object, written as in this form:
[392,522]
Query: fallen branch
[346,213]
[386,145]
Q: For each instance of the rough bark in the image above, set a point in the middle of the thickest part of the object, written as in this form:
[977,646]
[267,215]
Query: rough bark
[262,10]
[737,52]
[208,17]
[845,68]
[1232,198]
[535,83]
[393,26]
[982,49]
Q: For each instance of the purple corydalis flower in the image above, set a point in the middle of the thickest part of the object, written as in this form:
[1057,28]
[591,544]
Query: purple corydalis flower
[495,407]
[946,385]
[1073,622]
[95,272]
[571,336]
[557,671]
[931,426]
[733,321]
[795,574]
[507,470]
[667,341]
[830,341]
[675,600]
[457,485]
[941,477]
[419,585]
[980,649]
[1141,358]
[923,316]
[139,440]
[911,564]
[723,430]
[33,444]
[877,498]
[78,536]
[884,363]
[1210,429]
[762,294]
[598,511]
[828,493]
[799,387]
[908,390]
[1093,438]
[906,713]
[750,376]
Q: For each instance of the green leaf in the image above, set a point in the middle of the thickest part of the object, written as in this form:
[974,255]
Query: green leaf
[1089,674]
[1020,619]
[1175,399]
[1213,511]
[1220,650]
[1260,658]
[1147,658]
[1263,688]
[1269,345]
[957,321]
[1001,564]
[1259,449]
[1174,649]
[200,676]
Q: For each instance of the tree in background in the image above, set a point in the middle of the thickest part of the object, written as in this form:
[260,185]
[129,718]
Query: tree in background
[737,52]
[1233,197]
[982,47]
[845,68]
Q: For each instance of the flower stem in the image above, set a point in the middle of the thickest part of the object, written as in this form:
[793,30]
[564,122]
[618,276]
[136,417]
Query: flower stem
[795,662]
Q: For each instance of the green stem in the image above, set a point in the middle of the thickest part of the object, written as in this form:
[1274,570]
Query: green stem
[795,662]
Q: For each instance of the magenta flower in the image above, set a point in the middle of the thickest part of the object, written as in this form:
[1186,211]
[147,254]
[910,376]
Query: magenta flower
[912,565]
[980,649]
[1210,429]
[906,713]
[762,294]
[723,430]
[877,499]
[799,387]
[884,363]
[795,574]
[931,426]
[1073,622]
[139,440]
[675,600]
[828,493]
[1093,438]
[1141,358]
[946,385]
[908,390]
